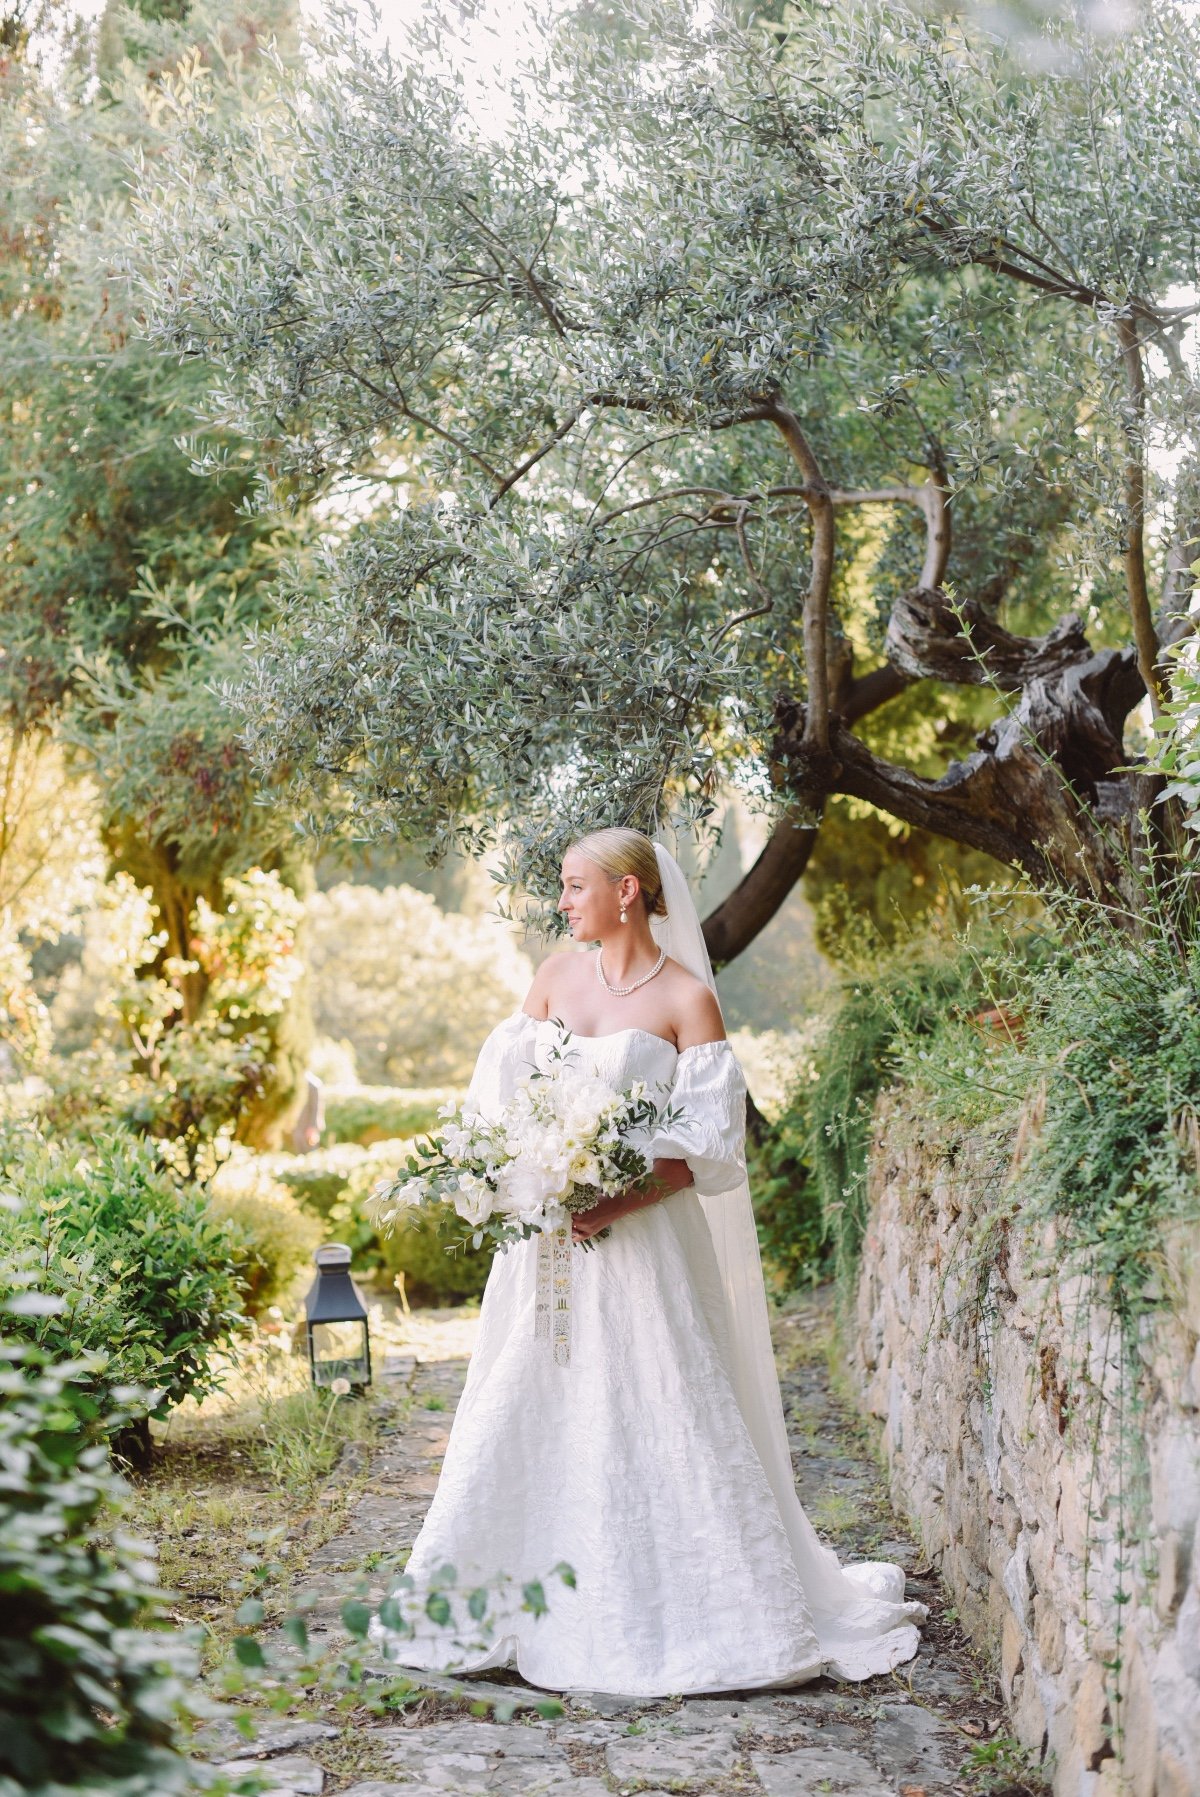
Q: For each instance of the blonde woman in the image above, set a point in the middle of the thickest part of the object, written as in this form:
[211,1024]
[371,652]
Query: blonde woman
[654,1461]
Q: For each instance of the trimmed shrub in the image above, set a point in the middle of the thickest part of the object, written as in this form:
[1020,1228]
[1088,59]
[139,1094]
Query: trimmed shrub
[332,1189]
[89,1693]
[420,1249]
[369,1114]
[276,1235]
[146,1277]
[318,1179]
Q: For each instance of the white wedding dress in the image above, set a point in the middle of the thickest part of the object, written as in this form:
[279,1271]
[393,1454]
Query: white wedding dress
[695,1569]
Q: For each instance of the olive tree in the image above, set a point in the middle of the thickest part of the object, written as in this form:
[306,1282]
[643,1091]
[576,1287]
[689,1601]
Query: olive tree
[773,400]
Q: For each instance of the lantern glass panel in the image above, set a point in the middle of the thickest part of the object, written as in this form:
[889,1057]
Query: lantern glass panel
[339,1351]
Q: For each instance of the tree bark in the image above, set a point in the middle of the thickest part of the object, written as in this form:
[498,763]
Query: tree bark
[1047,788]
[756,898]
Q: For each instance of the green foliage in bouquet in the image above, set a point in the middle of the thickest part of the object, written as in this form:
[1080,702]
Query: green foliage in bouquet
[90,1691]
[143,1277]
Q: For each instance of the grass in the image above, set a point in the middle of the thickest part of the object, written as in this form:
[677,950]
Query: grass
[233,1498]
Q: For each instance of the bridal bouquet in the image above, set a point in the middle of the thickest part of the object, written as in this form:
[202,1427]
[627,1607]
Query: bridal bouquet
[560,1146]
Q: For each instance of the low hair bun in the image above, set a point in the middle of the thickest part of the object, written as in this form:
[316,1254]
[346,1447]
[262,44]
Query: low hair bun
[621,851]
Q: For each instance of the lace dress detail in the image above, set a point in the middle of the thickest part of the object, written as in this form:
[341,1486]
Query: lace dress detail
[634,1464]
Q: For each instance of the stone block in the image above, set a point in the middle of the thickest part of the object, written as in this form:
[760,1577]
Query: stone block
[1012,1654]
[813,1769]
[1049,1634]
[1028,1710]
[1016,1582]
[271,1734]
[1072,1507]
[665,1760]
[1091,1728]
[1175,1478]
[1170,1572]
[1173,1777]
[1139,1745]
[288,1776]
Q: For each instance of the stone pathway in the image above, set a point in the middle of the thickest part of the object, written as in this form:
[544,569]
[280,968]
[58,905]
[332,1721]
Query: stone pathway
[907,1735]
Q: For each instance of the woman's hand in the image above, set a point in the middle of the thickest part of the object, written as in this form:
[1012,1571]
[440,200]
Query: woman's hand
[666,1177]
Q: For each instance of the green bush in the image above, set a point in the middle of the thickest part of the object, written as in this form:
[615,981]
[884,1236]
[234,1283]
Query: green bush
[89,1692]
[904,995]
[787,1205]
[146,1276]
[1098,1077]
[368,1114]
[420,1249]
[335,1184]
[275,1235]
[318,1179]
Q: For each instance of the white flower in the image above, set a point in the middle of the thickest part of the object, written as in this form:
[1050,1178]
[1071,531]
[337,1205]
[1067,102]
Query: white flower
[340,1388]
[473,1201]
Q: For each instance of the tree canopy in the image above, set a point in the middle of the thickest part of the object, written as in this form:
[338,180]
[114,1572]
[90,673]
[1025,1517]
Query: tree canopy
[734,393]
[127,585]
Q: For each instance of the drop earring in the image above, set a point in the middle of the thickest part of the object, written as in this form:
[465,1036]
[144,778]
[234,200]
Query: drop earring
[624,919]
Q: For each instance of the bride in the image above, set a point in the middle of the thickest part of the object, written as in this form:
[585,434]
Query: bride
[654,1462]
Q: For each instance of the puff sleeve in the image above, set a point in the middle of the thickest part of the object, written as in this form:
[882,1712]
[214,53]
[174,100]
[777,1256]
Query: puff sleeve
[505,1058]
[709,1092]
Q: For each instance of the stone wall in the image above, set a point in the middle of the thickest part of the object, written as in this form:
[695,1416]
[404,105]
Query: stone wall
[984,1370]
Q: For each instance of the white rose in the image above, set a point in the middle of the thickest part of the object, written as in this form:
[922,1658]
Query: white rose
[473,1201]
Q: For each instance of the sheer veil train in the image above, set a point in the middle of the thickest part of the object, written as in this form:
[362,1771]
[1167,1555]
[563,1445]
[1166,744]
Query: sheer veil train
[833,1590]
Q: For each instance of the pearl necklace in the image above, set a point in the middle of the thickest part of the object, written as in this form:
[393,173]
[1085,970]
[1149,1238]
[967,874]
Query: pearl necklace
[624,991]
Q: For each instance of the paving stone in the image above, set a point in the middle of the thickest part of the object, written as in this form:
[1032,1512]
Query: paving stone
[288,1776]
[567,1786]
[763,1715]
[812,1769]
[477,1758]
[382,1787]
[673,1760]
[606,1703]
[915,1747]
[272,1734]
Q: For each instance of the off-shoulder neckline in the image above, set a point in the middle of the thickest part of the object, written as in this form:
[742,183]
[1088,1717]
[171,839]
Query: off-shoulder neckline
[629,1030]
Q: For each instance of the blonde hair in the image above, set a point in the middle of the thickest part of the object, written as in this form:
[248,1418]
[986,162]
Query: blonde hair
[620,851]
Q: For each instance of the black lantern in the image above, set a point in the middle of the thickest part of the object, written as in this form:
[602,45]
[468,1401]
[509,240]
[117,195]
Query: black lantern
[339,1345]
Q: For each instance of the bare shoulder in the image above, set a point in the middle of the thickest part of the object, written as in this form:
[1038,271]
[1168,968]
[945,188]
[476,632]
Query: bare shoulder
[697,1012]
[551,979]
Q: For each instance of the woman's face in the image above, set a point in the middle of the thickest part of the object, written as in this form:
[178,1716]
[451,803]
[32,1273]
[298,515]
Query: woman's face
[591,900]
